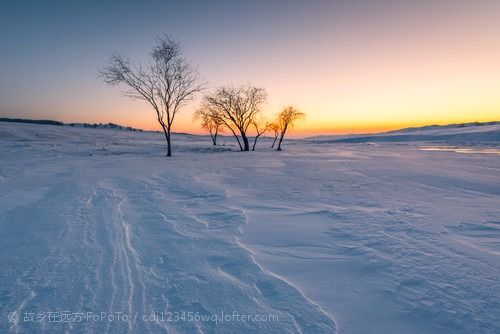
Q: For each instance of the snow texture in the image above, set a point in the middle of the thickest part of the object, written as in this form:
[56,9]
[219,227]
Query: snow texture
[346,237]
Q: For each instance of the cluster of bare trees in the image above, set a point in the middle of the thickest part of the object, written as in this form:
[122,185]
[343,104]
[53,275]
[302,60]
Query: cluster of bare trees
[235,109]
[239,111]
[168,82]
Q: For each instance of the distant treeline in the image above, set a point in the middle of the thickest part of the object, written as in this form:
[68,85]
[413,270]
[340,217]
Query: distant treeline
[34,121]
[80,125]
[104,126]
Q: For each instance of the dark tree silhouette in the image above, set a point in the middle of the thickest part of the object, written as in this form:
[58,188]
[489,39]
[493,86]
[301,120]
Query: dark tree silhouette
[213,125]
[167,83]
[286,119]
[261,127]
[236,109]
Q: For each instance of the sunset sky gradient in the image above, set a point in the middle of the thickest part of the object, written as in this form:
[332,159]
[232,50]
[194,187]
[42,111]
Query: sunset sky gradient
[351,66]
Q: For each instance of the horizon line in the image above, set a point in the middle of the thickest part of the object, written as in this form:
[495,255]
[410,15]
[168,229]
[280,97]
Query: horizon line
[309,134]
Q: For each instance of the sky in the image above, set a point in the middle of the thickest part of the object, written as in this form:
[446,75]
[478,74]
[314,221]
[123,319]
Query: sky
[350,65]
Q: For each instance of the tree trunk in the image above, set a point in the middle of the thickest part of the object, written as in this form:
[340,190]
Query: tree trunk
[246,145]
[169,147]
[237,139]
[274,141]
[255,140]
[215,136]
[281,138]
[166,132]
[254,143]
[279,143]
[212,136]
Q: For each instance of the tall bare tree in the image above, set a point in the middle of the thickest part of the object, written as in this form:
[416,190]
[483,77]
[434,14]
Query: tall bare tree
[236,109]
[286,119]
[168,82]
[213,125]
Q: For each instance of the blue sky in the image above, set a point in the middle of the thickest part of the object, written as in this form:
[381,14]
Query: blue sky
[350,65]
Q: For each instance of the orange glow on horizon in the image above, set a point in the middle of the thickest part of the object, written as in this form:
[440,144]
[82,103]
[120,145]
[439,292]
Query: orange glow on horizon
[304,129]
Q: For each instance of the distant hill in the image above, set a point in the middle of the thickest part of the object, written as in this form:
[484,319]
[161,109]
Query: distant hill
[486,132]
[447,126]
[80,125]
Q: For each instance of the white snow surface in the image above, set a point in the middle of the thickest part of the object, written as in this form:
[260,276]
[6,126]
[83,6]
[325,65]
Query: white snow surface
[331,238]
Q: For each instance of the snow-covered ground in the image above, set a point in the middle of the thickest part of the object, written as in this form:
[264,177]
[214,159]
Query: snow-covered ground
[101,233]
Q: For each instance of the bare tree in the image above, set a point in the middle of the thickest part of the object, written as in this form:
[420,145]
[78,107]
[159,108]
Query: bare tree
[236,109]
[261,127]
[213,125]
[275,128]
[286,119]
[167,83]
